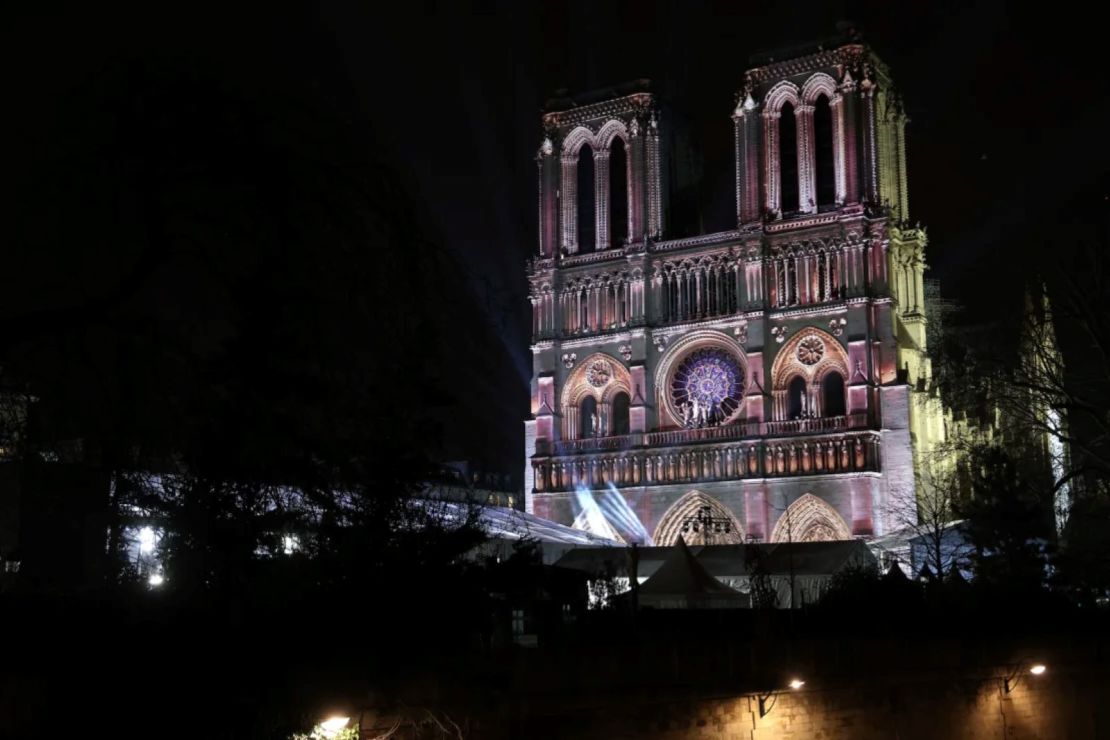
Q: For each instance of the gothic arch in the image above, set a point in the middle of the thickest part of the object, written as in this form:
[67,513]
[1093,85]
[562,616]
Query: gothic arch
[782,93]
[789,361]
[810,355]
[816,85]
[573,141]
[599,376]
[809,519]
[672,358]
[613,128]
[683,510]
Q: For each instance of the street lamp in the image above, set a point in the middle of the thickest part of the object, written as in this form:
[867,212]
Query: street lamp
[705,522]
[795,684]
[1008,683]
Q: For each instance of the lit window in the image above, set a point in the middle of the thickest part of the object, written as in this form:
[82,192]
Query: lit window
[518,621]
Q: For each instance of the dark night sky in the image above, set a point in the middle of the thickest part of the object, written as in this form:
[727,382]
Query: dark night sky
[1007,105]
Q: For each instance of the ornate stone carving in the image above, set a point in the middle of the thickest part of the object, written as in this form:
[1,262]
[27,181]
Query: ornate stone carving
[741,333]
[626,352]
[779,333]
[836,326]
[599,373]
[569,359]
[810,351]
[547,147]
[659,342]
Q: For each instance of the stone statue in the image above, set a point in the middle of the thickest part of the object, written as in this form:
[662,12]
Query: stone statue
[697,411]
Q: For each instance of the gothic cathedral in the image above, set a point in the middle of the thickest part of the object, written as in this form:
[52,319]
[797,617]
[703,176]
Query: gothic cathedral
[772,376]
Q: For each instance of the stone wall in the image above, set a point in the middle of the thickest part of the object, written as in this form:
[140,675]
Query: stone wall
[702,684]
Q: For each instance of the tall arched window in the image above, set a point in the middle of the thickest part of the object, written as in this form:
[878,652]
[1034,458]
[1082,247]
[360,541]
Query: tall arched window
[587,412]
[823,145]
[794,395]
[618,193]
[586,233]
[788,160]
[832,392]
[621,405]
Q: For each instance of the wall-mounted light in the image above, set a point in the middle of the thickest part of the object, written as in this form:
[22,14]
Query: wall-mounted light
[1011,681]
[764,708]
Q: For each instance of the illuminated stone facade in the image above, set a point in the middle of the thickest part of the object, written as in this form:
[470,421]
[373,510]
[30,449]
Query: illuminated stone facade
[771,375]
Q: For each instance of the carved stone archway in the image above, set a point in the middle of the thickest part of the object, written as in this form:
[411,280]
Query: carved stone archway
[684,510]
[811,354]
[601,377]
[809,519]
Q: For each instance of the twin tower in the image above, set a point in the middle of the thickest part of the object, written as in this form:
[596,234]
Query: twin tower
[771,376]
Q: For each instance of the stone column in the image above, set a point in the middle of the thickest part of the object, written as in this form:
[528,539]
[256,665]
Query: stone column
[771,172]
[807,189]
[570,203]
[601,199]
[746,132]
[849,138]
[637,203]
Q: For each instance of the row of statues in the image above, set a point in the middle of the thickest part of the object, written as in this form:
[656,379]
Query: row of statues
[697,414]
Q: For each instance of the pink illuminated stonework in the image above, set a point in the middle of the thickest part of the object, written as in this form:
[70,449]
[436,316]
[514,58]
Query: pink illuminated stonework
[767,374]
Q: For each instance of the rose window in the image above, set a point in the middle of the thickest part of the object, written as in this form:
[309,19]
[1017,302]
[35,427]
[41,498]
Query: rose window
[599,373]
[709,381]
[810,351]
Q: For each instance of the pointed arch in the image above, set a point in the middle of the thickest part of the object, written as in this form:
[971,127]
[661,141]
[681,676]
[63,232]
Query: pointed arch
[612,129]
[789,363]
[600,377]
[573,141]
[684,510]
[818,84]
[782,93]
[809,519]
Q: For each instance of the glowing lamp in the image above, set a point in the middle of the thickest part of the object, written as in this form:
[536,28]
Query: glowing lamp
[332,725]
[1037,669]
[797,683]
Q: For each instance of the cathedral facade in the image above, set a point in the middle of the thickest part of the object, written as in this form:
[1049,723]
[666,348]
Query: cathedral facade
[765,383]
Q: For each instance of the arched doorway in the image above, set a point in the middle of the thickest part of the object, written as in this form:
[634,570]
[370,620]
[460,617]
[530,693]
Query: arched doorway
[680,521]
[809,519]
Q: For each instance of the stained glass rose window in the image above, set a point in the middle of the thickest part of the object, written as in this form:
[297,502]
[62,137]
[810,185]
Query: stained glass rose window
[710,378]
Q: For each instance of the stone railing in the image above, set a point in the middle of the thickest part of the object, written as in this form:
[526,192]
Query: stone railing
[820,424]
[798,455]
[671,437]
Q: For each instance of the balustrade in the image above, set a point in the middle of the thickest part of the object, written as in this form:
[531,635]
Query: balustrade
[626,461]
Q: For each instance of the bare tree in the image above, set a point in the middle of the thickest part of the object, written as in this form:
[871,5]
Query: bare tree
[928,518]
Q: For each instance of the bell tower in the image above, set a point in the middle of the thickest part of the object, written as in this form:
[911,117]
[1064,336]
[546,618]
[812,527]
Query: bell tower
[766,371]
